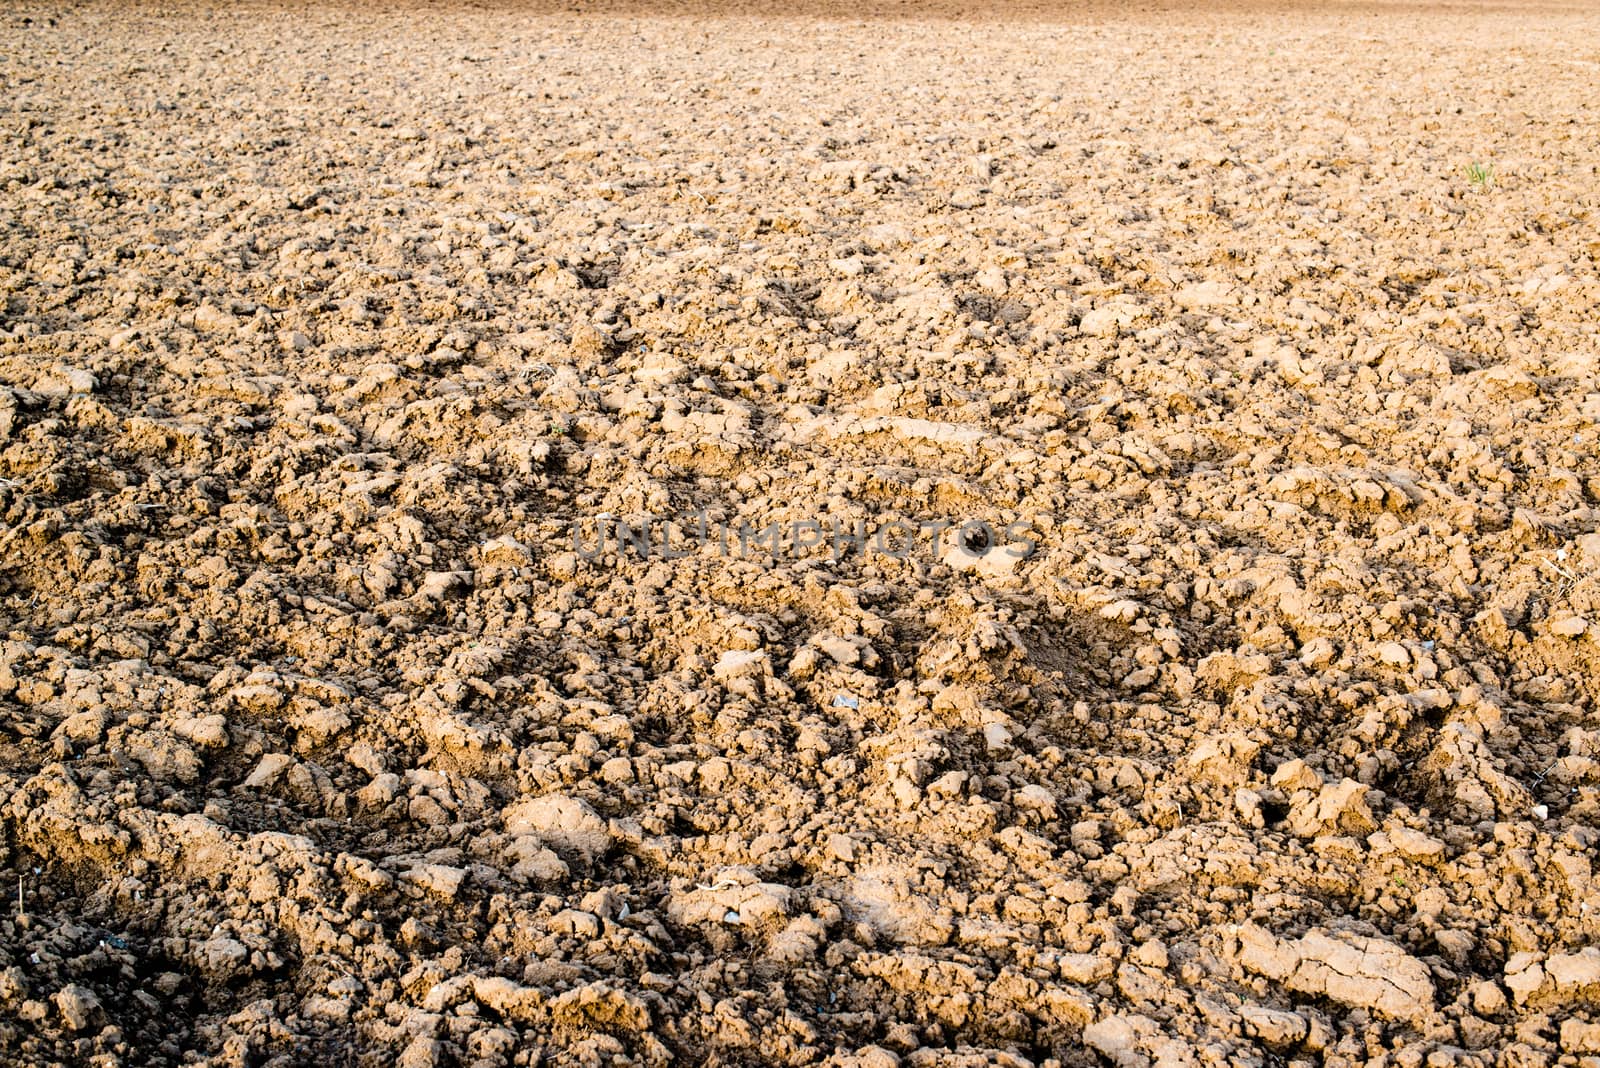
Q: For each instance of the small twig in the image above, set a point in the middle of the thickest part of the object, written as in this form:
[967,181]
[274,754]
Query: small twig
[1540,780]
[1571,580]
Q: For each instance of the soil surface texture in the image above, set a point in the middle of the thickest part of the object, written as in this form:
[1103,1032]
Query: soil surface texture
[924,534]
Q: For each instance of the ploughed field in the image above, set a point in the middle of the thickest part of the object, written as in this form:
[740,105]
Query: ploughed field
[783,534]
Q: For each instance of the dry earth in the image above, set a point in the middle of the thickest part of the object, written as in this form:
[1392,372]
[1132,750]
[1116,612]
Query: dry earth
[323,326]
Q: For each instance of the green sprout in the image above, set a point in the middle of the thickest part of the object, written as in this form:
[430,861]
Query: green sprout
[1481,176]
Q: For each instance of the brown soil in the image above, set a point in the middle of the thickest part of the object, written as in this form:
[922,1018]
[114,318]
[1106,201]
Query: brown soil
[323,326]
